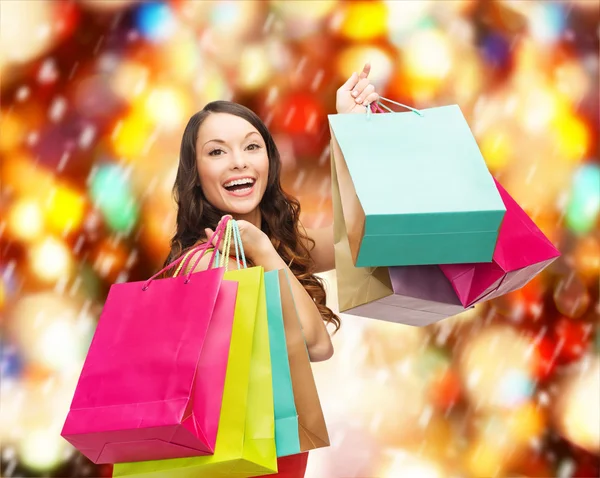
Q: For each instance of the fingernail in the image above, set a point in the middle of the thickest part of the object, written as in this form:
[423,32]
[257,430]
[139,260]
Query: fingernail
[354,93]
[359,100]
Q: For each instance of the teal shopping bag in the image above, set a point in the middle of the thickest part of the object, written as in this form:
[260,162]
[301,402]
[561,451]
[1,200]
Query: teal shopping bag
[414,188]
[287,439]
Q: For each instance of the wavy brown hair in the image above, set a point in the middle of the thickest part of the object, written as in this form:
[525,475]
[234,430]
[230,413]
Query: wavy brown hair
[280,212]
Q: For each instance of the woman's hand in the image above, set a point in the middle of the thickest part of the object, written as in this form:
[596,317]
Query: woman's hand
[356,93]
[256,243]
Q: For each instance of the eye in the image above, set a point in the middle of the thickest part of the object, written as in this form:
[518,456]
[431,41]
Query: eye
[253,146]
[216,152]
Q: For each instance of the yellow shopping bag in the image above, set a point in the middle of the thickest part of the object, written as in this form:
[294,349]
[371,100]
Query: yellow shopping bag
[245,444]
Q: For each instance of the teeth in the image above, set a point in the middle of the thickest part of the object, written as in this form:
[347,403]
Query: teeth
[238,182]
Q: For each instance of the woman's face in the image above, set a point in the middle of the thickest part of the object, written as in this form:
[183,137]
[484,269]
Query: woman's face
[233,164]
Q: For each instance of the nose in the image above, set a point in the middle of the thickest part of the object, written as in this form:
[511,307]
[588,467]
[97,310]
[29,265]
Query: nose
[238,161]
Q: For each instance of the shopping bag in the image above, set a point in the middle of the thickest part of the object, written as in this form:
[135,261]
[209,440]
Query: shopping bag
[136,398]
[411,295]
[286,418]
[522,252]
[245,443]
[293,466]
[415,189]
[311,422]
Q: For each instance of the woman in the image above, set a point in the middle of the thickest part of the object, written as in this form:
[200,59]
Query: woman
[229,164]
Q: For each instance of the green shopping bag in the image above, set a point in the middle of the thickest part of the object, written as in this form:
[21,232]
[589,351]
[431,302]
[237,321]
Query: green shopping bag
[245,444]
[414,188]
[286,417]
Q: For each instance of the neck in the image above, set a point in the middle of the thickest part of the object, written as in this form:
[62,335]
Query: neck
[253,217]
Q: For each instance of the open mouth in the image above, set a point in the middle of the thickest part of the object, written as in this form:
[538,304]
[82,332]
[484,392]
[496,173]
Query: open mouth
[240,186]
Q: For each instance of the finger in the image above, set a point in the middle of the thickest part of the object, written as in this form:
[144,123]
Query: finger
[350,82]
[364,93]
[366,70]
[360,86]
[372,98]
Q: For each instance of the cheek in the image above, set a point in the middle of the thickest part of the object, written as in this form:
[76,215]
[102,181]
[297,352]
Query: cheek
[263,167]
[209,175]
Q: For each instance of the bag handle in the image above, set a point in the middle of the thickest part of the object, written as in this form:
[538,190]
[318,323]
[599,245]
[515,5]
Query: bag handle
[214,259]
[180,261]
[378,106]
[233,231]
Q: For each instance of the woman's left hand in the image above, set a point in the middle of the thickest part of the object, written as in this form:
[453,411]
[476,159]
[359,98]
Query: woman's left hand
[255,241]
[356,93]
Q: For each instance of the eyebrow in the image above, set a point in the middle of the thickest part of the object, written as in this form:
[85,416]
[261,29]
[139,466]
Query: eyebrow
[225,142]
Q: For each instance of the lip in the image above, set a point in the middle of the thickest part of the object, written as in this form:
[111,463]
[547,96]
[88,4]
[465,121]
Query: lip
[239,194]
[235,178]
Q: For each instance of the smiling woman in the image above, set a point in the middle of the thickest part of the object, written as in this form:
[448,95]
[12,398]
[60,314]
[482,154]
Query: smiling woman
[229,164]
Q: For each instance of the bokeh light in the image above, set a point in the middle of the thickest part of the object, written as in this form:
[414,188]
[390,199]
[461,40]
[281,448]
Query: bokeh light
[584,202]
[111,193]
[50,259]
[155,21]
[55,330]
[364,20]
[577,413]
[26,220]
[64,210]
[497,368]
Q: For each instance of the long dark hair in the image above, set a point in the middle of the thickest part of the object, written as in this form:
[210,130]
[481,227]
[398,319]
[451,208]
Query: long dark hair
[280,212]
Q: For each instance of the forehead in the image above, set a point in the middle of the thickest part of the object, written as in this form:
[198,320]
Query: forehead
[225,127]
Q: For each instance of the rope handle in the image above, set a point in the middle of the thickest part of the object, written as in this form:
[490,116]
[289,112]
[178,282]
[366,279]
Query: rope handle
[233,233]
[378,107]
[200,248]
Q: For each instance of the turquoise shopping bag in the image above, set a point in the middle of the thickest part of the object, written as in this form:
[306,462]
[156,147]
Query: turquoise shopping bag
[414,188]
[287,439]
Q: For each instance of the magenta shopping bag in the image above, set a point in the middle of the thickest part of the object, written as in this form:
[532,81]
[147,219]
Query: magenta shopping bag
[522,252]
[152,382]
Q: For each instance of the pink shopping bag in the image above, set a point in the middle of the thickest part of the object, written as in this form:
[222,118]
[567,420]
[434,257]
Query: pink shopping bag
[152,383]
[522,252]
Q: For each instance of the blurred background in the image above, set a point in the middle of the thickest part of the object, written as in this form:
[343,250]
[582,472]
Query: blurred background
[94,99]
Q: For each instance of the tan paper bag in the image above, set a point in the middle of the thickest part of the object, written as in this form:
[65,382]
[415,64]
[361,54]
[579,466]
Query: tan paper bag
[311,423]
[411,295]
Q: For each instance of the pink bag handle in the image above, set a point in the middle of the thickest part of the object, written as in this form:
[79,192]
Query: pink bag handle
[221,228]
[377,106]
[202,247]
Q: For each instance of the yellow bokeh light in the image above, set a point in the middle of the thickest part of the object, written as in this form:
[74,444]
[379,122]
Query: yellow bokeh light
[2,295]
[496,149]
[483,459]
[167,107]
[181,56]
[42,449]
[25,178]
[364,20]
[131,136]
[540,106]
[577,414]
[25,220]
[50,259]
[255,67]
[25,30]
[130,79]
[427,55]
[525,423]
[65,210]
[12,131]
[353,58]
[573,137]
